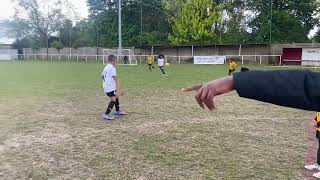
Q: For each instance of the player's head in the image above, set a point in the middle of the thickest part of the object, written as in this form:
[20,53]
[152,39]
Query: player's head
[112,59]
[244,69]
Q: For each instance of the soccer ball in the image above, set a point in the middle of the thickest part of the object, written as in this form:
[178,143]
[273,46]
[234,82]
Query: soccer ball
[167,64]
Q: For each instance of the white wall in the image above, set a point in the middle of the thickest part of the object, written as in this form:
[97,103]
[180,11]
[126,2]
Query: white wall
[8,54]
[310,56]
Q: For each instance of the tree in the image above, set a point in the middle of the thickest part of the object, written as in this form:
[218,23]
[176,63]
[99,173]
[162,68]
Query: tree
[316,37]
[143,22]
[37,20]
[193,24]
[58,45]
[291,20]
[234,25]
[68,34]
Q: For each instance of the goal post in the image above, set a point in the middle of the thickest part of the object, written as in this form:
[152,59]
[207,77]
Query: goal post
[127,56]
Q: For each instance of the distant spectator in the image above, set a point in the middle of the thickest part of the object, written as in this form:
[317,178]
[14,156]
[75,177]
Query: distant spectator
[125,59]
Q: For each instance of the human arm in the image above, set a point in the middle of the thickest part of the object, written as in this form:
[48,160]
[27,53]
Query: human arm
[296,89]
[117,83]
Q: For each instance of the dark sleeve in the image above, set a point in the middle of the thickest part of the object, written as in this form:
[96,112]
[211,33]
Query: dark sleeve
[296,89]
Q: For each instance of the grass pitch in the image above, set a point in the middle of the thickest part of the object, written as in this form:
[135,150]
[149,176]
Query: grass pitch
[51,127]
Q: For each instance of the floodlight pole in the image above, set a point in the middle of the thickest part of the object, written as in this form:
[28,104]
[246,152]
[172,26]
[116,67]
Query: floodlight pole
[120,31]
[270,28]
[270,25]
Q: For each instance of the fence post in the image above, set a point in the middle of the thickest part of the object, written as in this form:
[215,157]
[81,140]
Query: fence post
[35,57]
[242,59]
[97,58]
[192,51]
[77,57]
[59,57]
[51,57]
[179,59]
[86,58]
[260,60]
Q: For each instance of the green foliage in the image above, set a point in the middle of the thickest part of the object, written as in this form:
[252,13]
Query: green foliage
[161,22]
[57,44]
[68,33]
[291,20]
[151,29]
[194,23]
[316,37]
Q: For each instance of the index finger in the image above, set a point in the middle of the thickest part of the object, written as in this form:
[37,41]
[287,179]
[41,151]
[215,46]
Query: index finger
[193,88]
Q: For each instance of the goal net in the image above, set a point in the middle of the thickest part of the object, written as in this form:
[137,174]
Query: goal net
[127,56]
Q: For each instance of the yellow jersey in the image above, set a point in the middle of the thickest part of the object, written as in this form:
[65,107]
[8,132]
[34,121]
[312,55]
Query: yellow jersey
[317,118]
[150,59]
[233,65]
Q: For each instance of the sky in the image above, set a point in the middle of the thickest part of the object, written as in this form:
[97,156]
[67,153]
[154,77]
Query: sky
[7,11]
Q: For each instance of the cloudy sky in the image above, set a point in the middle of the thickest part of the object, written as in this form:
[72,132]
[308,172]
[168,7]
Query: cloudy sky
[7,11]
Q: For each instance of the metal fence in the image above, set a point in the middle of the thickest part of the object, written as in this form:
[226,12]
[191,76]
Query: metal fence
[138,59]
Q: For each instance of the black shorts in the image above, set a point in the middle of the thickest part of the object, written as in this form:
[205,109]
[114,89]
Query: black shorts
[231,70]
[112,94]
[161,67]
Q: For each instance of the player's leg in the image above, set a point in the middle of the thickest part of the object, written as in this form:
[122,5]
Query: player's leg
[119,112]
[111,104]
[150,67]
[315,166]
[162,70]
[229,73]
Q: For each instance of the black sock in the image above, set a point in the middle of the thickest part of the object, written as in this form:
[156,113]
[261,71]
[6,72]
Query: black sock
[110,106]
[117,105]
[162,70]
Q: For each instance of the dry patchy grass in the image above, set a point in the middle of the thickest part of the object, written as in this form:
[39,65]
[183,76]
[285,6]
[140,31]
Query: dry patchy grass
[165,136]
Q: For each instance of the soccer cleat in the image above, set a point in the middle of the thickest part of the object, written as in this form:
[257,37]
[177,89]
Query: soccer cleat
[312,167]
[316,175]
[120,113]
[107,117]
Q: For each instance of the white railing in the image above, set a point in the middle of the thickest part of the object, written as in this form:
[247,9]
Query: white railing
[242,59]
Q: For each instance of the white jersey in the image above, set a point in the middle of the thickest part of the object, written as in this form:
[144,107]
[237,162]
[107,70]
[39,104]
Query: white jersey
[160,62]
[109,84]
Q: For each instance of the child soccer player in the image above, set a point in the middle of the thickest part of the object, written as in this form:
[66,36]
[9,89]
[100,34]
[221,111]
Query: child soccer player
[161,64]
[111,87]
[316,166]
[232,66]
[150,61]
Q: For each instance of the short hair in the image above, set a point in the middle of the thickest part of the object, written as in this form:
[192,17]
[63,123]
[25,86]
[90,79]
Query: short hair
[244,69]
[112,58]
